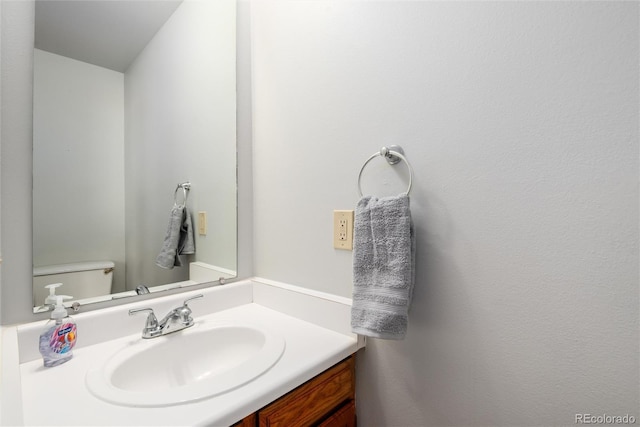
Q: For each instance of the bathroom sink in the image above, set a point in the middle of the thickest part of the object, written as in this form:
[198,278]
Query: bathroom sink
[194,364]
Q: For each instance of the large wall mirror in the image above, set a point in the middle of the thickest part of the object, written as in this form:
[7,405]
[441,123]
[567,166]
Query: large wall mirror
[133,98]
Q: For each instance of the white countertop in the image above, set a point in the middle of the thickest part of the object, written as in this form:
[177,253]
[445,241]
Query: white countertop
[58,395]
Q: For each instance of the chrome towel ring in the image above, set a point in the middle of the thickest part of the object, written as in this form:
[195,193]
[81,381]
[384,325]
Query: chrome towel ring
[186,186]
[393,155]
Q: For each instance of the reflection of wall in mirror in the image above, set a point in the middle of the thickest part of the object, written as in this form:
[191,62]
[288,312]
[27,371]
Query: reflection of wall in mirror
[183,128]
[78,163]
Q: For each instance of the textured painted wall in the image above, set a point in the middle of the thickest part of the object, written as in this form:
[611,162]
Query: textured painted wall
[521,122]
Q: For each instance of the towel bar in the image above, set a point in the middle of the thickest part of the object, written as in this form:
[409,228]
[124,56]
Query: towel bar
[393,155]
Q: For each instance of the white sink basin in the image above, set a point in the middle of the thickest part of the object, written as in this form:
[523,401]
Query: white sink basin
[193,364]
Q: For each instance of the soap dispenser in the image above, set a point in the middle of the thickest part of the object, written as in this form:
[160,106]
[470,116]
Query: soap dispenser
[59,336]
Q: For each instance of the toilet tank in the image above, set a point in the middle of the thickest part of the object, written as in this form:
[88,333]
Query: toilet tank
[80,280]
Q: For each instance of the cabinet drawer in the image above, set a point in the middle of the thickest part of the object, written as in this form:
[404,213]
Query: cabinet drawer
[345,417]
[249,421]
[313,400]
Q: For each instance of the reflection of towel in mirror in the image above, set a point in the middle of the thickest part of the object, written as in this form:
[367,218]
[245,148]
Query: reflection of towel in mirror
[178,240]
[187,245]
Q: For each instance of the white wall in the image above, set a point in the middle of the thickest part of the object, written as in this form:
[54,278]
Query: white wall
[521,122]
[178,94]
[78,163]
[244,135]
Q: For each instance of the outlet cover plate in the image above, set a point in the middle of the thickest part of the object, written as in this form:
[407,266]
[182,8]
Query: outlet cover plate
[202,223]
[343,229]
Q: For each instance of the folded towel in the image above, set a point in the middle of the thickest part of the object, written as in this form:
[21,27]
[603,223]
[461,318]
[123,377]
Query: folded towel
[383,267]
[178,239]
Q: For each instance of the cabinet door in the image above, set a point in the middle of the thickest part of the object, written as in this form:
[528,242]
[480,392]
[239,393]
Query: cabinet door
[313,400]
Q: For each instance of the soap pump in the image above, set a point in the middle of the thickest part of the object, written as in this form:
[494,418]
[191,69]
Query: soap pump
[50,300]
[59,336]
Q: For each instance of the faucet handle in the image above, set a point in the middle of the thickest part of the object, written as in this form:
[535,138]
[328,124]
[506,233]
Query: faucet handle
[192,298]
[152,320]
[184,312]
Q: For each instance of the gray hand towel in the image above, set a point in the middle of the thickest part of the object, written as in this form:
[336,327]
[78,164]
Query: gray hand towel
[178,239]
[186,246]
[383,267]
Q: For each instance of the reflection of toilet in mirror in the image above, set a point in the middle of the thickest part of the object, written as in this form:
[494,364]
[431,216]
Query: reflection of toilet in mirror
[80,280]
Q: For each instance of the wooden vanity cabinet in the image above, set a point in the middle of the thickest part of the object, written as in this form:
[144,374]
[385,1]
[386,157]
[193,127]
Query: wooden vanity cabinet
[327,400]
[250,421]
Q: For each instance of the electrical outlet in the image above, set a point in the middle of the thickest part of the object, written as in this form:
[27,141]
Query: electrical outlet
[343,230]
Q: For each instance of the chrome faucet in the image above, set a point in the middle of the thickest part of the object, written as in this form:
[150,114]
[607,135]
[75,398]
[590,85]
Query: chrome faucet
[176,320]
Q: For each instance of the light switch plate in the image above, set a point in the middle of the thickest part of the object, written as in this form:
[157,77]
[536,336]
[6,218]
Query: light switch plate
[343,230]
